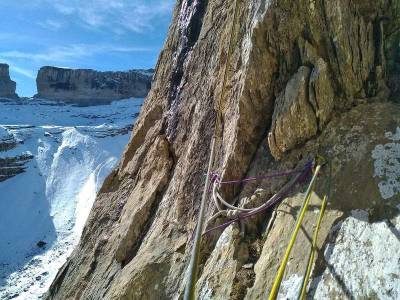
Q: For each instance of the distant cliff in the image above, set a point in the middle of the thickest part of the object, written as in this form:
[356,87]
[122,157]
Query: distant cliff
[7,86]
[86,86]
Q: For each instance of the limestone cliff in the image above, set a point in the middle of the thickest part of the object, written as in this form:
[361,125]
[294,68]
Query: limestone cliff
[89,86]
[7,86]
[304,77]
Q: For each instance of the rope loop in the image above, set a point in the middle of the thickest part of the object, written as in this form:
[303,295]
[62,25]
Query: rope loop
[243,213]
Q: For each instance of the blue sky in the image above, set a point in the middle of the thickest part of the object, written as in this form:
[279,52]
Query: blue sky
[97,34]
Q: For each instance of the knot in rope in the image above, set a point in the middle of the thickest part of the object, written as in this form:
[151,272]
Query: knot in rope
[215,178]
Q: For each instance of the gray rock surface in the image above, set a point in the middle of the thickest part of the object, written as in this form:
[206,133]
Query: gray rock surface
[7,140]
[7,86]
[294,120]
[86,86]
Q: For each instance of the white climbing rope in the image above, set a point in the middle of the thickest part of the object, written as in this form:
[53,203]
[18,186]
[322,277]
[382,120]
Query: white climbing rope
[234,211]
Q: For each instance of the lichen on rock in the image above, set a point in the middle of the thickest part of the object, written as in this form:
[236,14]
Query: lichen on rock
[387,165]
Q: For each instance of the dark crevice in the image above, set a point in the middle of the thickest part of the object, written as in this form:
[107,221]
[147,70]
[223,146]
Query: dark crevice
[378,42]
[371,84]
[189,34]
[392,50]
[333,61]
[190,24]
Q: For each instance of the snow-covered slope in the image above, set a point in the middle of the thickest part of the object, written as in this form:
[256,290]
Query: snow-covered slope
[53,158]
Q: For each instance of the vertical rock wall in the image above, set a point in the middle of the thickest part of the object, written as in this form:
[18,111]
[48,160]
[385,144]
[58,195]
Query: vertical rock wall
[91,87]
[7,86]
[302,79]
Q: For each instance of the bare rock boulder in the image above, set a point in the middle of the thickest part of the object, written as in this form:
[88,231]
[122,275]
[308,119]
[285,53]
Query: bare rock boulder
[294,120]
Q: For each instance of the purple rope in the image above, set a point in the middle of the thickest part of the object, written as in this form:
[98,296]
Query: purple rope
[216,177]
[305,172]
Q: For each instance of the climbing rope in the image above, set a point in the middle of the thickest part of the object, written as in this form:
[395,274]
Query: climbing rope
[281,270]
[216,177]
[274,200]
[313,249]
[310,262]
[194,259]
[234,211]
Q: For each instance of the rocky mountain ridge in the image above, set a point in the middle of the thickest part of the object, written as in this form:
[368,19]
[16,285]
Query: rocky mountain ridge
[82,86]
[85,85]
[304,78]
[7,86]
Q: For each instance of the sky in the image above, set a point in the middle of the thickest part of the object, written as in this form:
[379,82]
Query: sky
[105,35]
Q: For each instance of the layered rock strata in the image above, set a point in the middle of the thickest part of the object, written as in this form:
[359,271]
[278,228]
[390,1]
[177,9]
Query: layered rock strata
[89,86]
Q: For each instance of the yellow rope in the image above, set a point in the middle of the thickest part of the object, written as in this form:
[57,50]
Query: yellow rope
[311,257]
[281,270]
[313,249]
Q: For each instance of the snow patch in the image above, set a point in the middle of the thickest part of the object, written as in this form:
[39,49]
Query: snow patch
[387,165]
[363,262]
[73,150]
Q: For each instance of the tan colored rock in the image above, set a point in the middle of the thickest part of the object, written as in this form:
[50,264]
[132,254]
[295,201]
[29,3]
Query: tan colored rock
[134,217]
[221,266]
[294,120]
[353,46]
[321,93]
[308,53]
[267,85]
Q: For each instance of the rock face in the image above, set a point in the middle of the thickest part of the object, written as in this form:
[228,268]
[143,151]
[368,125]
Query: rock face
[7,86]
[89,86]
[303,77]
[294,119]
[10,166]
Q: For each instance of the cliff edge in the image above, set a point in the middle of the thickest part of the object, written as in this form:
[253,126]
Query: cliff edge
[302,78]
[7,86]
[90,86]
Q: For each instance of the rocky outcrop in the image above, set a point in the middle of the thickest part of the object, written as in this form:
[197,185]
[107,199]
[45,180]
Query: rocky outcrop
[304,78]
[7,86]
[294,119]
[12,166]
[91,87]
[7,140]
